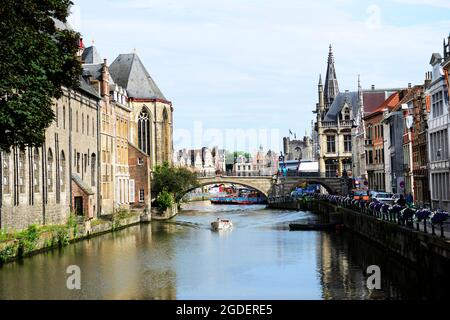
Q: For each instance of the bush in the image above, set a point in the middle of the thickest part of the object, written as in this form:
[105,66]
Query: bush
[165,200]
[173,180]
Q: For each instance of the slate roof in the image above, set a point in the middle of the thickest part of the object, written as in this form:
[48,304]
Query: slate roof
[83,185]
[86,87]
[91,55]
[350,98]
[129,72]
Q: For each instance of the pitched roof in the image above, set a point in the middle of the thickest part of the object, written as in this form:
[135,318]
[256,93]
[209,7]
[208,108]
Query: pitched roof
[129,72]
[91,55]
[83,185]
[390,103]
[350,98]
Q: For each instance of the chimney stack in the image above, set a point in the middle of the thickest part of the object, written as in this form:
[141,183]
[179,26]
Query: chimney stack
[373,87]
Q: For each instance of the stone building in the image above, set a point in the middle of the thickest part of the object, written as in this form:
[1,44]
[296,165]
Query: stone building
[115,114]
[298,149]
[438,131]
[149,128]
[44,184]
[204,161]
[339,127]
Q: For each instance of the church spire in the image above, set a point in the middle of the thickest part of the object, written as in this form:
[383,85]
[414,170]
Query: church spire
[331,83]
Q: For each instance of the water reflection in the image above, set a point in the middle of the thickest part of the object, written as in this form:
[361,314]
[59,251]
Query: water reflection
[183,259]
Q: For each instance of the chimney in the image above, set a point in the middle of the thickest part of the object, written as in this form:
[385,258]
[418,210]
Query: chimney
[373,87]
[409,85]
[427,81]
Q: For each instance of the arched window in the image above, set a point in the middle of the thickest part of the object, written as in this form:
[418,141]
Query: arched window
[64,117]
[82,123]
[5,173]
[22,176]
[87,125]
[144,132]
[93,166]
[50,170]
[166,136]
[62,171]
[36,170]
[76,120]
[56,115]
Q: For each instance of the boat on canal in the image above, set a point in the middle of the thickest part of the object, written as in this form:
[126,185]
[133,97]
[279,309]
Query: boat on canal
[221,224]
[239,196]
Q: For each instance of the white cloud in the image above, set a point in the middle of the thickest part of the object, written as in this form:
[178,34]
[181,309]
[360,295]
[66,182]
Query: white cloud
[432,3]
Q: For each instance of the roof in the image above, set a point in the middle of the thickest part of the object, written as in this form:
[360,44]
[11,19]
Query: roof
[87,88]
[91,55]
[435,58]
[83,185]
[390,103]
[95,71]
[343,98]
[129,72]
[407,96]
[372,99]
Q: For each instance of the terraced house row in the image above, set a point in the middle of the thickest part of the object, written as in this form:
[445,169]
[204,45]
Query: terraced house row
[395,139]
[99,151]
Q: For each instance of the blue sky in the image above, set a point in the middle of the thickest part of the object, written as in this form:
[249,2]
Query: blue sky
[254,64]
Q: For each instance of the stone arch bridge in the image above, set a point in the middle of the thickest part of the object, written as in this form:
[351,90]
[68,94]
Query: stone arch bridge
[272,186]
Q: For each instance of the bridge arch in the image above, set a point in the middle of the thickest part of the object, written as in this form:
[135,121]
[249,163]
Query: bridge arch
[261,185]
[327,187]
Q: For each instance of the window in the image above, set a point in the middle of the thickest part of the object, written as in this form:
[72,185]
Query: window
[144,132]
[56,115]
[87,125]
[36,159]
[140,161]
[437,104]
[131,190]
[50,170]
[93,164]
[331,168]
[22,159]
[331,144]
[82,123]
[76,121]
[141,195]
[77,162]
[166,137]
[62,171]
[64,117]
[347,143]
[6,166]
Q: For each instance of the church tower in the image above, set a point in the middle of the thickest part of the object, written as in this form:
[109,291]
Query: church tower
[331,83]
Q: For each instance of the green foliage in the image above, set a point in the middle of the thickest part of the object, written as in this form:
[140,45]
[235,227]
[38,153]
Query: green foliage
[28,239]
[165,200]
[173,180]
[62,236]
[230,157]
[36,60]
[7,253]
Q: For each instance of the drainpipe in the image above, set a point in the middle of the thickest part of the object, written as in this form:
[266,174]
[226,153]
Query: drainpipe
[70,153]
[98,164]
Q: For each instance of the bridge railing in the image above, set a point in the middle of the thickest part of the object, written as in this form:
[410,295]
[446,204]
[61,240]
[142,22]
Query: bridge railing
[231,174]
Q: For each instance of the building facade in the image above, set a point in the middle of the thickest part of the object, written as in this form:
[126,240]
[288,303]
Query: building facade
[43,185]
[438,131]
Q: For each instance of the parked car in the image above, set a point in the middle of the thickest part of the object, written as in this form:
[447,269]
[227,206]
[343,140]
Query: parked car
[384,197]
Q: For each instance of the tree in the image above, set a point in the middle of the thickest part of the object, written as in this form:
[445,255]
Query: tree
[36,60]
[173,180]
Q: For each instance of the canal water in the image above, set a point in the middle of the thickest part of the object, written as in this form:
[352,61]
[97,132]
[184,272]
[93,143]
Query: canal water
[183,259]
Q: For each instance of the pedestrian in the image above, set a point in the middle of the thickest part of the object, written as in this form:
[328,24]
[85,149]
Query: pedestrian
[409,199]
[401,201]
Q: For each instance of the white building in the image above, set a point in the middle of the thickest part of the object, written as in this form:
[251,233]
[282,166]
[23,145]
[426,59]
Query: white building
[438,131]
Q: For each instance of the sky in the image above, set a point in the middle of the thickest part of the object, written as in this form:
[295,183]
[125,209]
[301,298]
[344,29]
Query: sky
[242,73]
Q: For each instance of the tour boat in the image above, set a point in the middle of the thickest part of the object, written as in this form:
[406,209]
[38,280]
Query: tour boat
[221,224]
